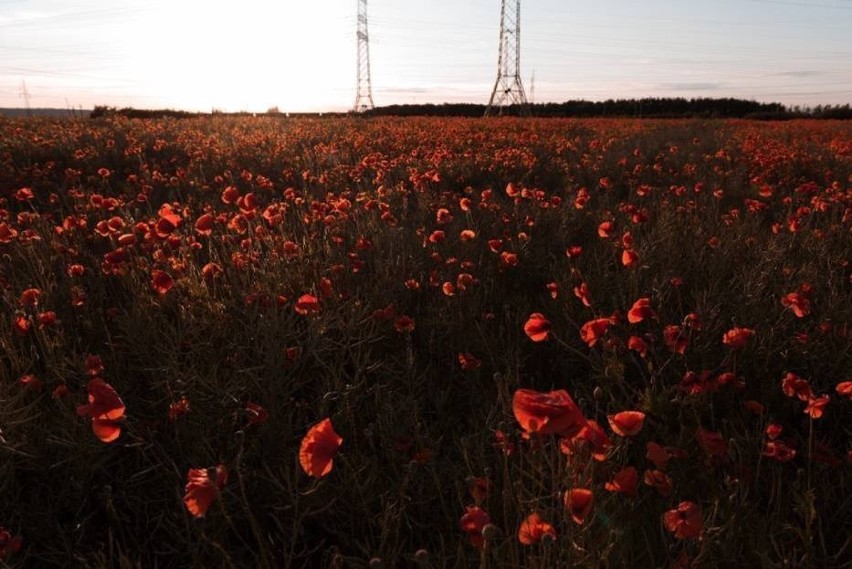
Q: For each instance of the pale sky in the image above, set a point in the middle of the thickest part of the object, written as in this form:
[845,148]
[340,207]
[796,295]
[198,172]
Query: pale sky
[300,55]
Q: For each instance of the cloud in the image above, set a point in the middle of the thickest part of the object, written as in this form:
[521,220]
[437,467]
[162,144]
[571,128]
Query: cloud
[799,73]
[692,86]
[409,90]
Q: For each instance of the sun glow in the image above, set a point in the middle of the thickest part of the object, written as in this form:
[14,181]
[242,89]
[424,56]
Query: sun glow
[209,57]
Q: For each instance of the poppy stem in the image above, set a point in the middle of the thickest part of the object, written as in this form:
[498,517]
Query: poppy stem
[572,349]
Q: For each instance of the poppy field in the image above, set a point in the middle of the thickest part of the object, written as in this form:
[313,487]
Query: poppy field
[425,342]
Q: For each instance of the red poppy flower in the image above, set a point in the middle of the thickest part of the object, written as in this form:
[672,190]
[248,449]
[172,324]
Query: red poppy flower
[211,270]
[593,330]
[443,216]
[292,353]
[307,304]
[624,481]
[553,289]
[468,361]
[503,443]
[7,233]
[201,489]
[178,408]
[316,453]
[8,544]
[164,226]
[230,195]
[605,229]
[21,325]
[29,298]
[711,442]
[773,431]
[755,407]
[547,413]
[737,337]
[640,310]
[161,282]
[94,365]
[467,235]
[105,408]
[659,481]
[779,451]
[816,406]
[478,486]
[684,521]
[24,194]
[436,236]
[290,250]
[629,257]
[594,435]
[75,270]
[675,338]
[582,292]
[508,259]
[325,287]
[844,388]
[204,224]
[579,503]
[637,344]
[533,529]
[404,324]
[256,414]
[537,327]
[626,423]
[799,301]
[31,382]
[657,454]
[473,522]
[794,386]
[800,305]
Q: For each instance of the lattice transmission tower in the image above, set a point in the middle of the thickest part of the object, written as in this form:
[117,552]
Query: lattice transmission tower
[508,89]
[364,96]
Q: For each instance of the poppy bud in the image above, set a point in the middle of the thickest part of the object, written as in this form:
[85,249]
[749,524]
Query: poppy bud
[490,532]
[421,556]
[598,393]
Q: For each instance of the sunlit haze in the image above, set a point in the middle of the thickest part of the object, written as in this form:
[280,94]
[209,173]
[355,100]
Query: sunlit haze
[301,55]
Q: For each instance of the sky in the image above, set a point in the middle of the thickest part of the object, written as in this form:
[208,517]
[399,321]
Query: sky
[300,55]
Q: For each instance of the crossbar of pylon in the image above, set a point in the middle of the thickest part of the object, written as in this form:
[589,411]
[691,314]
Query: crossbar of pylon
[508,88]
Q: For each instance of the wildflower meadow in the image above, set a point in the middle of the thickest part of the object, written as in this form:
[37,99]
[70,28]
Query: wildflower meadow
[425,342]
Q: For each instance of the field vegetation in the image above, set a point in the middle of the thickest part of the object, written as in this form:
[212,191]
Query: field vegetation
[270,342]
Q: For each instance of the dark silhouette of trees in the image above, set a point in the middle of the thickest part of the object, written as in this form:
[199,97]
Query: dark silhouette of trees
[649,107]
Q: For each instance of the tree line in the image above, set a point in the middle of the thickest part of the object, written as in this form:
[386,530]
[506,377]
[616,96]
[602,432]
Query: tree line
[649,107]
[655,107]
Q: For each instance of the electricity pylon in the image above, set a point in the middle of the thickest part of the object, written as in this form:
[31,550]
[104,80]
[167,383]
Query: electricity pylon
[364,96]
[25,94]
[508,89]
